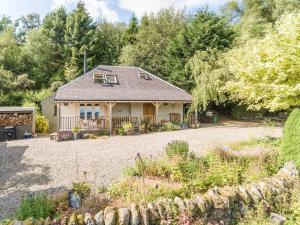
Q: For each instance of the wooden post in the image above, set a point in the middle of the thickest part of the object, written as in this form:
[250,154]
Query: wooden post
[58,115]
[156,104]
[110,105]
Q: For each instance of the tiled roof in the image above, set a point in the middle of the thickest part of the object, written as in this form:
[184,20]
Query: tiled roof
[130,88]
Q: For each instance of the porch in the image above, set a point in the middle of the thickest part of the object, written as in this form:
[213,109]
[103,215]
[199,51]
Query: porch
[112,115]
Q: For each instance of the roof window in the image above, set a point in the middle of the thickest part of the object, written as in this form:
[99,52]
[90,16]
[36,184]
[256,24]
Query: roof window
[105,78]
[144,76]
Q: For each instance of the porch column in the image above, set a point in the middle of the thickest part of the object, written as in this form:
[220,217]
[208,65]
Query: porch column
[156,104]
[110,105]
[58,115]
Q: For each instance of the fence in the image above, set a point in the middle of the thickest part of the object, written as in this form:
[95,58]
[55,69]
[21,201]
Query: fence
[68,123]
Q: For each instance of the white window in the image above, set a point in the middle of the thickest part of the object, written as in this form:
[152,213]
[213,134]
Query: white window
[82,111]
[105,78]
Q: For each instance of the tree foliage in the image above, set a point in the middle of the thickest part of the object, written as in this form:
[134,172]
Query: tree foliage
[290,144]
[266,71]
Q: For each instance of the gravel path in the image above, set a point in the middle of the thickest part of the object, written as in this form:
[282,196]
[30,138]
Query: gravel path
[40,164]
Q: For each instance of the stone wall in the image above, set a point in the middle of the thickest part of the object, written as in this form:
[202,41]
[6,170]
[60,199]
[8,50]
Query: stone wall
[217,206]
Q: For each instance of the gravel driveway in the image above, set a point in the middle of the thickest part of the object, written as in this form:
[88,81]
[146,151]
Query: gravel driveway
[40,164]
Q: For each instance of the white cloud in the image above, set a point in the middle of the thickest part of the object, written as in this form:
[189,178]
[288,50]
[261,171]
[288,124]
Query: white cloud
[140,7]
[96,8]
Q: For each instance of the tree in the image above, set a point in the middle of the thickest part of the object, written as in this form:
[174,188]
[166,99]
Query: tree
[129,37]
[6,81]
[204,31]
[22,82]
[266,70]
[27,23]
[106,44]
[153,37]
[290,143]
[210,75]
[54,27]
[256,15]
[79,30]
[5,22]
[40,57]
[71,71]
[11,54]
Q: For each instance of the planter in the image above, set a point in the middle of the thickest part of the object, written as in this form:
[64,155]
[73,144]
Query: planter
[74,200]
[130,132]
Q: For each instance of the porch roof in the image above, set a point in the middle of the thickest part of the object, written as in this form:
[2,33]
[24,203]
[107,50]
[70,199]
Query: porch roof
[130,87]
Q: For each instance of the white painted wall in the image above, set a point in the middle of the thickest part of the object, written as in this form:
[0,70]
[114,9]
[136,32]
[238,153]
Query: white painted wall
[166,108]
[137,109]
[48,110]
[70,110]
[121,110]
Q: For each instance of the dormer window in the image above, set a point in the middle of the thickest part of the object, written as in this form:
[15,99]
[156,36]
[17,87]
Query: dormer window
[144,75]
[105,78]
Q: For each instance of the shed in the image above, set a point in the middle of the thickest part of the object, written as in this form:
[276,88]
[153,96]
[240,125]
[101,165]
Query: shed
[22,119]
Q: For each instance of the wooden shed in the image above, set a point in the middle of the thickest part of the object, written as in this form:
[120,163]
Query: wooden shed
[20,120]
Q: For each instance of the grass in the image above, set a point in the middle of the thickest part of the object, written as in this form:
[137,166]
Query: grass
[268,142]
[189,174]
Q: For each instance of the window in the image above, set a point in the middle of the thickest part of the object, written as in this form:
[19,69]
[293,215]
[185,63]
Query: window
[105,78]
[55,110]
[82,111]
[97,111]
[111,79]
[66,104]
[89,111]
[144,76]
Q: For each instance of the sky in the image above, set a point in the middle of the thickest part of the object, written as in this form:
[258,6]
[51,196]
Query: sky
[111,10]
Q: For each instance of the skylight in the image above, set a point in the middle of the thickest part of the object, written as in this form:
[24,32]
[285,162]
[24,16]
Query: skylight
[144,76]
[105,78]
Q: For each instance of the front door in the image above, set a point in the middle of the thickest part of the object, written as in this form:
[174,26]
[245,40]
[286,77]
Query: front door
[149,111]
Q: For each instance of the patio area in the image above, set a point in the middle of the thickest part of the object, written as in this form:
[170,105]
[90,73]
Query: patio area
[42,165]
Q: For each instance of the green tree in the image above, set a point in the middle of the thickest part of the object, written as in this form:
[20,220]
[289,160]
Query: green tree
[54,27]
[79,30]
[266,70]
[153,37]
[204,31]
[27,23]
[22,82]
[130,33]
[5,22]
[11,54]
[40,52]
[290,143]
[71,70]
[6,81]
[210,75]
[106,44]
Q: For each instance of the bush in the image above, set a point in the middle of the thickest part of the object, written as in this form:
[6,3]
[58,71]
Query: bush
[82,189]
[290,143]
[38,206]
[169,126]
[41,124]
[177,148]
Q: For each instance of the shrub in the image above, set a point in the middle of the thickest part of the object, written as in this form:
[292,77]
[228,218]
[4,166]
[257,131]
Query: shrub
[177,148]
[83,189]
[127,126]
[41,124]
[169,126]
[290,144]
[38,206]
[121,131]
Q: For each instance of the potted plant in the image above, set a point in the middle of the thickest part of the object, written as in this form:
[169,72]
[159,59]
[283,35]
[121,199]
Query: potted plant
[128,128]
[76,131]
[142,128]
[78,193]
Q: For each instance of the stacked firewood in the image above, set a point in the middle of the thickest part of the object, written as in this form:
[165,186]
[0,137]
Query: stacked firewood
[15,119]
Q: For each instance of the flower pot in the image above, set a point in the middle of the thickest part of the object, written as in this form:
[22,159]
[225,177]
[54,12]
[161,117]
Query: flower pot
[74,200]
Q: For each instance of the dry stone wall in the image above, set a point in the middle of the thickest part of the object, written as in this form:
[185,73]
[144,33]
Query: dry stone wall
[217,206]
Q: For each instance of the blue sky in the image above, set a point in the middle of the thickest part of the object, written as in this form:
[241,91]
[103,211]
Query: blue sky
[112,10]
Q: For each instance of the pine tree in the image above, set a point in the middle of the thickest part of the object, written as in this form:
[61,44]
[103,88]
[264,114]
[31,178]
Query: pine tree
[79,31]
[131,31]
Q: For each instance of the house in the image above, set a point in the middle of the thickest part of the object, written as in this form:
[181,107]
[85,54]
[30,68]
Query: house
[108,96]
